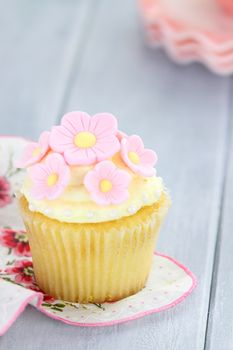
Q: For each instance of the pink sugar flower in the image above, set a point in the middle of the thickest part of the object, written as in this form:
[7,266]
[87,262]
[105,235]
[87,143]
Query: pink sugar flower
[85,140]
[34,151]
[107,184]
[139,159]
[50,178]
[121,135]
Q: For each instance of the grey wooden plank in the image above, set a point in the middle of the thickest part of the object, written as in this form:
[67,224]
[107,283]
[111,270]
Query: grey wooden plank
[38,41]
[182,113]
[220,325]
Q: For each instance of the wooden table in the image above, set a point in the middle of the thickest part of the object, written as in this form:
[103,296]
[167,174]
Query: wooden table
[58,56]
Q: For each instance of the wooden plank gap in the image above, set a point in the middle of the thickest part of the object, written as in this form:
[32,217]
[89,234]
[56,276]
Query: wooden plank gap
[217,249]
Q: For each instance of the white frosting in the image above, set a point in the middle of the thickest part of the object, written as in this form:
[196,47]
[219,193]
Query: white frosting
[76,205]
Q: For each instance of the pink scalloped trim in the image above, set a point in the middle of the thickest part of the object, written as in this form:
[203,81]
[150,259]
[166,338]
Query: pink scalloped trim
[21,309]
[110,323]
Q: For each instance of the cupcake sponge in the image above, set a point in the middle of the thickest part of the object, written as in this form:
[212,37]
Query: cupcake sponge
[93,262]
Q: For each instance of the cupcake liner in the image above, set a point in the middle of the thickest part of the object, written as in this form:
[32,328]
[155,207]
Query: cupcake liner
[93,262]
[169,283]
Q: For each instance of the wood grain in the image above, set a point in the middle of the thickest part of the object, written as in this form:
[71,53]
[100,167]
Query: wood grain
[38,41]
[220,325]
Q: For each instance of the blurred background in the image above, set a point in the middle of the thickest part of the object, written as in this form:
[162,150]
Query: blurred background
[63,55]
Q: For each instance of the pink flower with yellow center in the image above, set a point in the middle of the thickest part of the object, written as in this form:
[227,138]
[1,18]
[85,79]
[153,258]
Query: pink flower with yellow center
[107,184]
[85,140]
[50,178]
[139,159]
[34,151]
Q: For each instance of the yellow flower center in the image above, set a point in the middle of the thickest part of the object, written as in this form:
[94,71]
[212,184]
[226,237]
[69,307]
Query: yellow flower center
[52,179]
[85,139]
[105,186]
[134,157]
[36,151]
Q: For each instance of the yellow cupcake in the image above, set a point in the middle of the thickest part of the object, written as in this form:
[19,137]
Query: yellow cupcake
[92,223]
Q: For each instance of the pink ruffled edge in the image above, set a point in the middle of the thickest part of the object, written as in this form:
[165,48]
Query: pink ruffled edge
[174,30]
[22,307]
[110,323]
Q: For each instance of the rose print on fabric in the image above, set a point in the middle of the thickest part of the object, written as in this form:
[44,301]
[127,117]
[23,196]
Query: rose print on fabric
[16,241]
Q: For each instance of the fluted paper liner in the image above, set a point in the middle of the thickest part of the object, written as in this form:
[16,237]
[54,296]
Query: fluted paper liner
[93,262]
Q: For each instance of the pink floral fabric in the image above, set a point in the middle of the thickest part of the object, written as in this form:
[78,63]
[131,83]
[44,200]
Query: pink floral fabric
[46,297]
[16,241]
[22,271]
[5,195]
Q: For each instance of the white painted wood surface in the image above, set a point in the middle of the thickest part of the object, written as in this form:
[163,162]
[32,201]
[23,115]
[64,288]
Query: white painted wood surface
[38,42]
[78,56]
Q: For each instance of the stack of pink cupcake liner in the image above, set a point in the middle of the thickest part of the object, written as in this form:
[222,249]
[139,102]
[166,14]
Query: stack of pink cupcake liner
[194,30]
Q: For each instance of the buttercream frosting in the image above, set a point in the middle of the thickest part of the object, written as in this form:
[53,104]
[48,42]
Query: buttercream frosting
[66,183]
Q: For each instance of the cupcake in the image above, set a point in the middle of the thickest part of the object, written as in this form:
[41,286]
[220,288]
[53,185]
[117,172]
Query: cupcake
[92,207]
